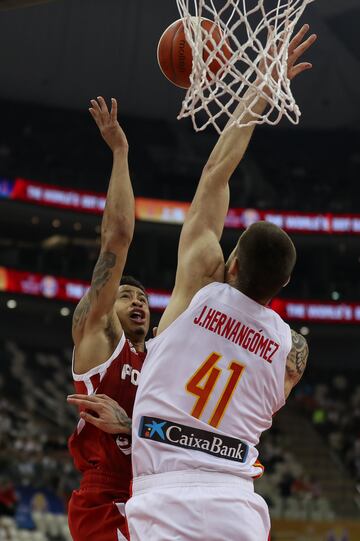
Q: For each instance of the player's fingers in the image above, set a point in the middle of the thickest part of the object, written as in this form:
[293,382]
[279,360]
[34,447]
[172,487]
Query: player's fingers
[90,419]
[96,106]
[91,397]
[94,114]
[86,404]
[297,39]
[304,66]
[88,401]
[114,110]
[105,397]
[301,49]
[103,106]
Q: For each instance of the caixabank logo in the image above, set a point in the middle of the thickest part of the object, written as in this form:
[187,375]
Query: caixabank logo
[188,437]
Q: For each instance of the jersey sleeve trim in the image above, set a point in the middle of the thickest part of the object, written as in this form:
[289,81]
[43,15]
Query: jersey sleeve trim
[101,368]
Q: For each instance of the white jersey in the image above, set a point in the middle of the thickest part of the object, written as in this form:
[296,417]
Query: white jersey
[210,385]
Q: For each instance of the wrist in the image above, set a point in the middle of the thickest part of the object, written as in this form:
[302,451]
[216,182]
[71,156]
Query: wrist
[121,150]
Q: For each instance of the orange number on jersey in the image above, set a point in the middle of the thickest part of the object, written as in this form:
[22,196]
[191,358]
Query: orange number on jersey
[206,369]
[210,373]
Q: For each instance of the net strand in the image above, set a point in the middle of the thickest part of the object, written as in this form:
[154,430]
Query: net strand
[256,36]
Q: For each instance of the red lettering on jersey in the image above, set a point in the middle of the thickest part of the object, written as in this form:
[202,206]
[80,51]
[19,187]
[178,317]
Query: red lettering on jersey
[214,321]
[254,342]
[242,335]
[234,331]
[263,343]
[208,319]
[198,319]
[272,353]
[220,323]
[250,339]
[227,329]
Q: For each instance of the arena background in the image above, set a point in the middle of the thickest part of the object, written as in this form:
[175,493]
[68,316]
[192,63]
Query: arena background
[54,170]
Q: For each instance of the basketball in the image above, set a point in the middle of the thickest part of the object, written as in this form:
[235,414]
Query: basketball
[175,55]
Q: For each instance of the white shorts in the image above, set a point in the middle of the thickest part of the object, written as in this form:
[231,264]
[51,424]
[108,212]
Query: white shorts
[196,505]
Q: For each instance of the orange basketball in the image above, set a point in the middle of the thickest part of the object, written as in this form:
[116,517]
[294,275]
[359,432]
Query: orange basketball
[175,54]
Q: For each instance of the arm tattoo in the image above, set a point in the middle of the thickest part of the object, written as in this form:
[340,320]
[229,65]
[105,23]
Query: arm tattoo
[81,312]
[101,276]
[297,358]
[123,420]
[102,272]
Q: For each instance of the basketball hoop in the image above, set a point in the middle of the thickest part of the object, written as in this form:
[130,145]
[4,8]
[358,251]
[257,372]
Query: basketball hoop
[259,33]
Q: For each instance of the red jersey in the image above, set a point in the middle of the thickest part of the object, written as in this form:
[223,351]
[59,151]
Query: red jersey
[104,459]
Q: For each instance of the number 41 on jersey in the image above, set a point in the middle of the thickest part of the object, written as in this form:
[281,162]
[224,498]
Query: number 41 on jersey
[202,384]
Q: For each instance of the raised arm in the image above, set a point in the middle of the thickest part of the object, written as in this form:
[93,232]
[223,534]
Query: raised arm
[96,329]
[296,362]
[200,258]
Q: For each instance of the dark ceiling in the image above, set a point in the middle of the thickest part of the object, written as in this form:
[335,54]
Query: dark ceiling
[65,52]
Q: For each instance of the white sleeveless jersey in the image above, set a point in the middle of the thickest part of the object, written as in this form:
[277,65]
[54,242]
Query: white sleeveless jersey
[210,385]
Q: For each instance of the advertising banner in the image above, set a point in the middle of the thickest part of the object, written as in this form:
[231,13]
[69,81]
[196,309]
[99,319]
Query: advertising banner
[174,212]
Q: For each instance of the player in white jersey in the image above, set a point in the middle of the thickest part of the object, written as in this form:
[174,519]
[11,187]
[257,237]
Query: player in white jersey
[220,366]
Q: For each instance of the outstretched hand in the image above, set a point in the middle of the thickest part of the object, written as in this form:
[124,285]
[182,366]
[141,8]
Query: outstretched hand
[297,47]
[109,416]
[108,124]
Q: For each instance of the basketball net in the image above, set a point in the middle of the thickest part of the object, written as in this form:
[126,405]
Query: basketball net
[257,34]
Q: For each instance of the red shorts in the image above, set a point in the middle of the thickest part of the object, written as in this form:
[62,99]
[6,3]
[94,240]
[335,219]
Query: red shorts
[96,511]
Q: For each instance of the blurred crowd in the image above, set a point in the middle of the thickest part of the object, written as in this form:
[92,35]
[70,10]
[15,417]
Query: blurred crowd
[288,489]
[35,422]
[334,408]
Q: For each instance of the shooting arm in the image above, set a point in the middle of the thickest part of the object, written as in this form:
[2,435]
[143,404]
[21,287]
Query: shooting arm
[95,314]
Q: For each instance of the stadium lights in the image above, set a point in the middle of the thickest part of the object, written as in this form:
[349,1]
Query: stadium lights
[56,223]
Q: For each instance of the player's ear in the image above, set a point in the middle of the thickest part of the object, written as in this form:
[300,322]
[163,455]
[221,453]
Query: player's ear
[287,281]
[233,268]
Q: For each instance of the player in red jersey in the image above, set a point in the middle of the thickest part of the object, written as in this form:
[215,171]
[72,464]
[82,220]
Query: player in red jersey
[109,328]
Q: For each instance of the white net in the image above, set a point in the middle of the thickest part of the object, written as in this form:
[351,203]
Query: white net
[255,37]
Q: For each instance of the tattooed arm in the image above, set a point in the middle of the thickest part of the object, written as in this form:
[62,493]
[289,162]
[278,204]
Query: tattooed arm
[296,362]
[96,329]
